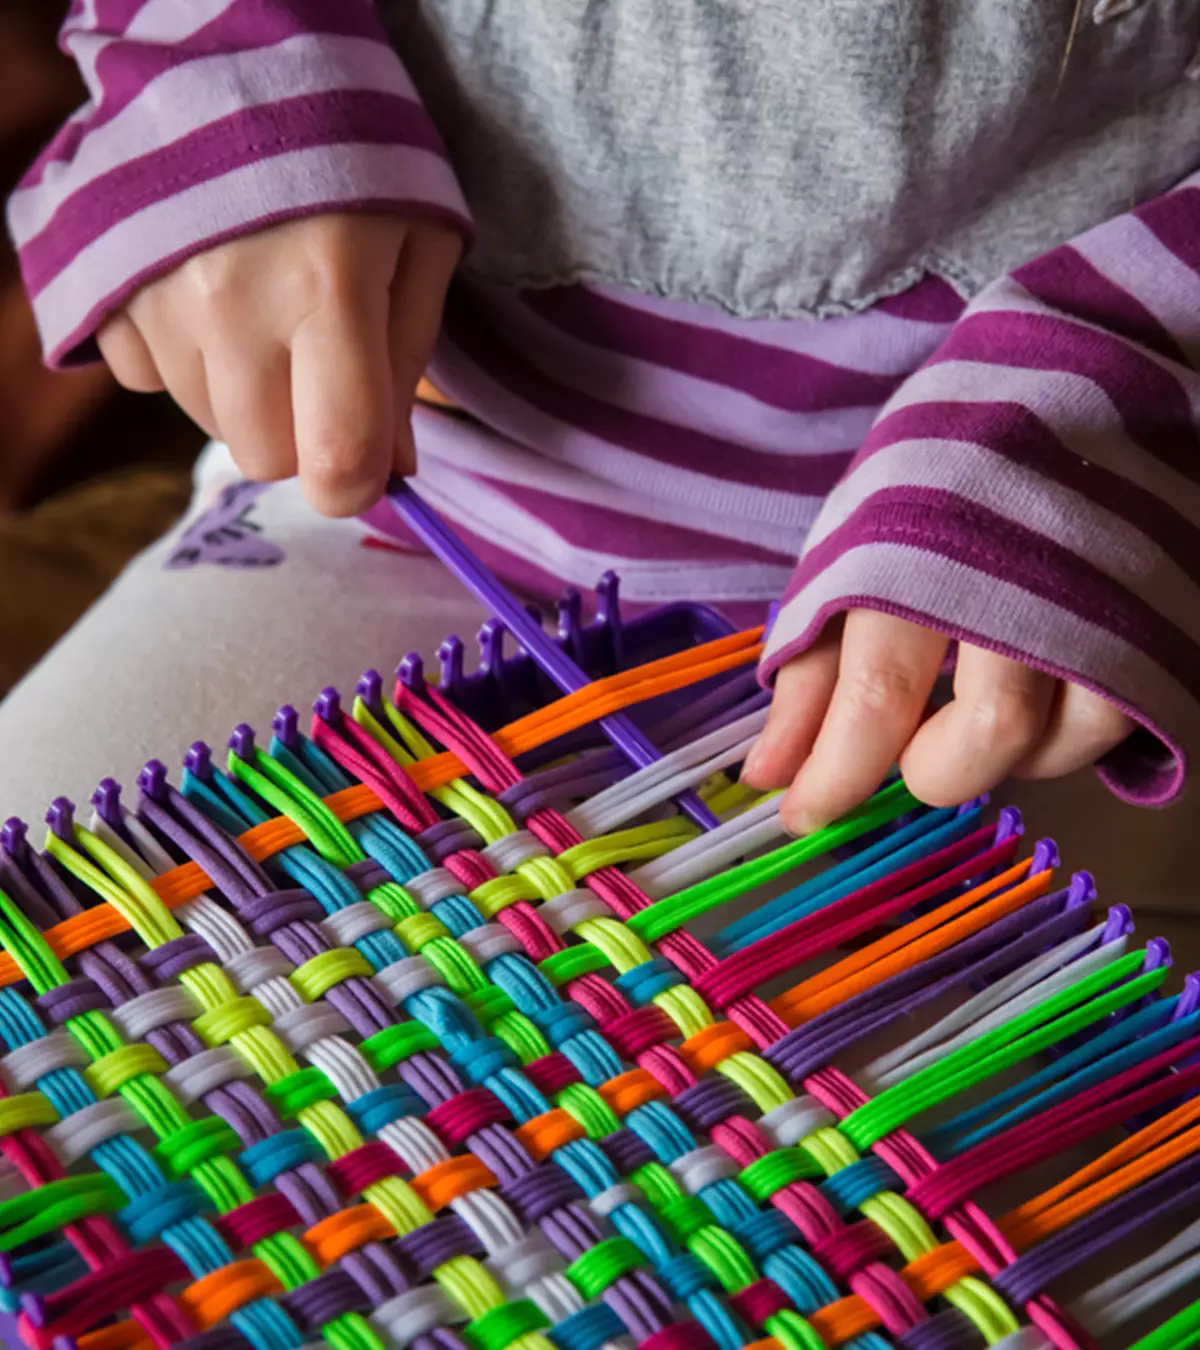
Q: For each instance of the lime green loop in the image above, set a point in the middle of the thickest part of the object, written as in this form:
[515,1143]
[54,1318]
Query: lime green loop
[499,1328]
[601,1265]
[299,1090]
[757,1079]
[521,1036]
[658,1183]
[395,1043]
[55,1204]
[497,893]
[455,965]
[420,929]
[773,1172]
[222,1024]
[113,1071]
[320,973]
[182,1152]
[26,1110]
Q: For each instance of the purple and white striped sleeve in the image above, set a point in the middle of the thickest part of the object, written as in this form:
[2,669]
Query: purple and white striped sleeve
[1034,488]
[207,119]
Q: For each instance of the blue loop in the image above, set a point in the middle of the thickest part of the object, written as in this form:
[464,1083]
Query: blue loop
[588,1328]
[382,1105]
[146,1216]
[685,1275]
[562,1022]
[850,1188]
[264,1161]
[767,1233]
[483,1058]
[646,981]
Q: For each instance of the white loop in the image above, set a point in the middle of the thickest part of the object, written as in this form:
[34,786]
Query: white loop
[201,1074]
[58,1049]
[796,1120]
[300,1027]
[568,910]
[76,1136]
[414,1313]
[623,1193]
[345,927]
[430,887]
[418,1146]
[522,1263]
[488,941]
[406,977]
[250,969]
[702,1166]
[507,854]
[156,1009]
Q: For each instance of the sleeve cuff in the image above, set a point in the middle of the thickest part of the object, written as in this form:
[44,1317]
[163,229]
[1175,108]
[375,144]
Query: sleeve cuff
[1004,610]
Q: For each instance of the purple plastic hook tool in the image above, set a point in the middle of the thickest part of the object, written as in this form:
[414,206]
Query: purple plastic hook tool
[486,588]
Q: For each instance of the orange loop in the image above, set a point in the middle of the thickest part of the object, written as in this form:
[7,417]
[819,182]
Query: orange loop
[346,1231]
[119,1336]
[630,1090]
[211,1299]
[707,1048]
[551,1130]
[446,1181]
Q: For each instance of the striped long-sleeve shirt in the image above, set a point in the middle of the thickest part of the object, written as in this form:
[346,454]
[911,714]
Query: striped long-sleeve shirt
[1021,472]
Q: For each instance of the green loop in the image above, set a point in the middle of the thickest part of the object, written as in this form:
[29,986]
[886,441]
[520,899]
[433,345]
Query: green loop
[55,1205]
[767,1175]
[111,1072]
[182,1152]
[319,974]
[392,1044]
[497,1329]
[685,1217]
[303,1088]
[488,1004]
[590,1109]
[793,1331]
[568,965]
[600,1265]
[222,1024]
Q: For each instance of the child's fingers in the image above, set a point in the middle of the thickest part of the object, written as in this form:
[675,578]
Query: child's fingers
[885,677]
[998,715]
[802,691]
[342,403]
[418,293]
[251,395]
[1082,728]
[128,357]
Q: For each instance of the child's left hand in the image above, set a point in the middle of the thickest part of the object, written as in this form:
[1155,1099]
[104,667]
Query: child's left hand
[856,703]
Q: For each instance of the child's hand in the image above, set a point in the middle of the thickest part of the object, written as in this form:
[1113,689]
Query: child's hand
[856,702]
[299,346]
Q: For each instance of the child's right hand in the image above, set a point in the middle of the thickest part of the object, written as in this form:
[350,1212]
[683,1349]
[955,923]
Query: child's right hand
[299,346]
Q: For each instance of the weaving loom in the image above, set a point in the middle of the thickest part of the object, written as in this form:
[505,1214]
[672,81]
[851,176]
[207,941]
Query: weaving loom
[400,1033]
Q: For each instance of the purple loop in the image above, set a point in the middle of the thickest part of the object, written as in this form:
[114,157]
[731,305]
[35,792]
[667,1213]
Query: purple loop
[711,1101]
[435,1243]
[266,914]
[540,1192]
[627,1151]
[223,1337]
[170,960]
[947,1330]
[73,999]
[332,1294]
[368,874]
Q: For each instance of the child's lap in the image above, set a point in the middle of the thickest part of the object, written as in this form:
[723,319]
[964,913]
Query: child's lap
[246,606]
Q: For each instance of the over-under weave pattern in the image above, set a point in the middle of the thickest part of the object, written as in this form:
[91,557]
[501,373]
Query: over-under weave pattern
[397,1034]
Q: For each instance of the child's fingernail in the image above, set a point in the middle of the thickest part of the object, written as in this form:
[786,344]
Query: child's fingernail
[752,760]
